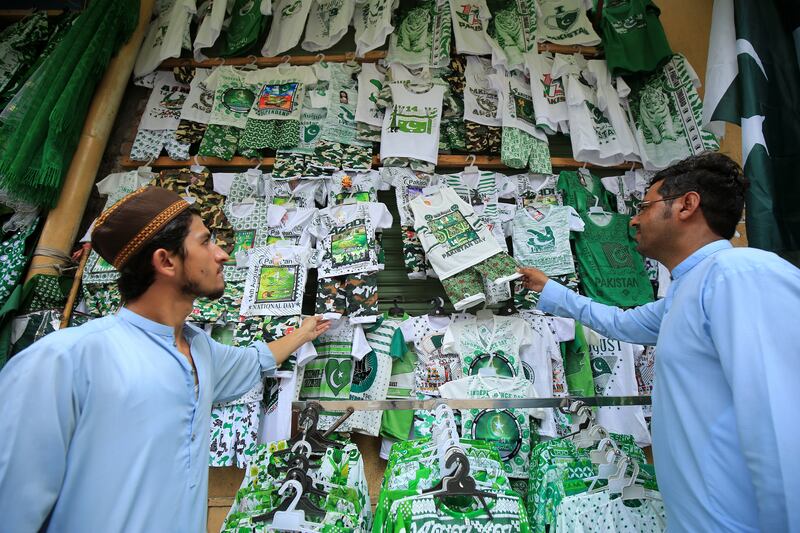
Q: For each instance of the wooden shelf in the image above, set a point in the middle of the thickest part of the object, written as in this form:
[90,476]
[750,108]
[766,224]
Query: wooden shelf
[13,15]
[445,161]
[369,57]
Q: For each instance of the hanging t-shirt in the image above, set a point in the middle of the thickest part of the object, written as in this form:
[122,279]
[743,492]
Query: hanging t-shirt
[452,235]
[276,280]
[609,95]
[614,372]
[565,22]
[248,218]
[340,123]
[481,104]
[509,429]
[633,37]
[328,21]
[435,366]
[241,186]
[370,82]
[280,92]
[611,270]
[469,26]
[163,110]
[582,190]
[277,421]
[165,37]
[667,114]
[354,187]
[288,20]
[209,28]
[346,236]
[233,96]
[200,100]
[537,190]
[494,343]
[372,21]
[408,184]
[289,224]
[422,34]
[426,513]
[628,189]
[549,96]
[511,31]
[294,193]
[411,125]
[516,101]
[598,511]
[541,238]
[497,217]
[479,187]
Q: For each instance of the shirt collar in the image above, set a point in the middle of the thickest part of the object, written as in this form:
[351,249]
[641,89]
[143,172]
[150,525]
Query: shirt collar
[701,253]
[145,323]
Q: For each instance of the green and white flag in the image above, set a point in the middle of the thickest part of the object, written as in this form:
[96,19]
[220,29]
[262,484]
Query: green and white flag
[753,80]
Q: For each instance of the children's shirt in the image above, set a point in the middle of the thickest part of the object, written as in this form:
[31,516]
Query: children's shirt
[536,190]
[479,187]
[280,92]
[549,96]
[435,366]
[328,21]
[452,235]
[311,121]
[276,280]
[165,37]
[582,189]
[371,80]
[346,235]
[408,184]
[290,224]
[200,100]
[516,101]
[288,20]
[422,34]
[354,187]
[481,103]
[411,125]
[541,238]
[372,21]
[233,96]
[628,189]
[248,218]
[469,26]
[565,22]
[609,96]
[512,31]
[209,28]
[295,192]
[163,110]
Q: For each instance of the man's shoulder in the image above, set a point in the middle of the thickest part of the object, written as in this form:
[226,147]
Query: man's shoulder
[71,340]
[745,258]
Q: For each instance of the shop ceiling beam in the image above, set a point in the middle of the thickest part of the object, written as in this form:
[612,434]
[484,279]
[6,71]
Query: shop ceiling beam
[445,161]
[369,57]
[61,227]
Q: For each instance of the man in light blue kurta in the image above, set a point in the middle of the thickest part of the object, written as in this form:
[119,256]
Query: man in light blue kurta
[105,427]
[726,433]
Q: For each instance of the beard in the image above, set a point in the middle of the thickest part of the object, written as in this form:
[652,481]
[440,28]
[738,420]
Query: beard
[193,289]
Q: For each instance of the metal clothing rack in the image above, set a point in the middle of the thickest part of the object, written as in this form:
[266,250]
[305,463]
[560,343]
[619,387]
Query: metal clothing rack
[505,403]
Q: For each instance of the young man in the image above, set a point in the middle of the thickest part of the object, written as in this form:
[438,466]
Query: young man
[726,439]
[105,427]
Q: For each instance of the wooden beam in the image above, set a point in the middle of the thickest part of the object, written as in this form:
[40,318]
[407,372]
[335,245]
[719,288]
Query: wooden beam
[14,15]
[62,223]
[445,161]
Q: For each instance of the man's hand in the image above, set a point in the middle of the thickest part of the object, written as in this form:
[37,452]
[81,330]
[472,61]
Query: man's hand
[312,327]
[533,278]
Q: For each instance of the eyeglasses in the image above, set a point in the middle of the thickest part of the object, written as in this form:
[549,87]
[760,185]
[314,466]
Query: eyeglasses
[644,205]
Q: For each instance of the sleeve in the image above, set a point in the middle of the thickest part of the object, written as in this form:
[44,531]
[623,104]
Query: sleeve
[449,341]
[238,369]
[450,390]
[361,346]
[222,182]
[639,325]
[109,184]
[37,426]
[749,316]
[398,347]
[210,83]
[380,215]
[576,223]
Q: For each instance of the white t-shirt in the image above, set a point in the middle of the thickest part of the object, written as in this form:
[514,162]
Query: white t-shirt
[565,22]
[422,35]
[351,186]
[514,31]
[198,103]
[295,193]
[276,280]
[452,235]
[277,421]
[479,187]
[119,184]
[537,190]
[372,21]
[280,92]
[408,184]
[233,96]
[328,21]
[493,342]
[163,110]
[346,235]
[541,238]
[411,125]
[289,224]
[247,218]
[628,189]
[238,186]
[469,26]
[614,371]
[608,100]
[549,97]
[209,29]
[480,99]
[435,366]
[288,20]
[516,101]
[371,80]
[165,37]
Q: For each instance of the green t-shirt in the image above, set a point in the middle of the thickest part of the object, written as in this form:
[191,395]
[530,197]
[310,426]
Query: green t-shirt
[611,270]
[428,513]
[633,37]
[582,190]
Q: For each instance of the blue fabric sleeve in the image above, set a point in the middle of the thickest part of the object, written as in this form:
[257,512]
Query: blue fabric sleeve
[239,369]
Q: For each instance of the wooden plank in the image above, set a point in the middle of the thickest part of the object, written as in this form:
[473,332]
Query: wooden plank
[445,161]
[14,15]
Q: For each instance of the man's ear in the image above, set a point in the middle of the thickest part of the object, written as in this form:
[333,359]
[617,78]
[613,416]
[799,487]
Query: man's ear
[165,262]
[690,204]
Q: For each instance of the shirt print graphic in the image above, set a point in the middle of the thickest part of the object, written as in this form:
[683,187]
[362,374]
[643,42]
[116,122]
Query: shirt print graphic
[438,367]
[277,98]
[412,119]
[553,89]
[350,244]
[602,126]
[238,99]
[500,426]
[542,241]
[243,240]
[452,231]
[277,284]
[604,361]
[172,99]
[498,361]
[523,107]
[469,17]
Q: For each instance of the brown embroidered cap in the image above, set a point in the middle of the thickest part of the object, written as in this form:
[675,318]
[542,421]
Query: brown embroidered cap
[122,229]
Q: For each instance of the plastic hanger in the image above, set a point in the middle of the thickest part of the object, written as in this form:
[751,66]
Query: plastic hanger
[508,308]
[292,519]
[460,483]
[396,310]
[437,308]
[146,171]
[471,168]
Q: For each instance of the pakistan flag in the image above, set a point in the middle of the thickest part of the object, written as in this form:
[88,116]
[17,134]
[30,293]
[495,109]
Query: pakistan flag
[753,80]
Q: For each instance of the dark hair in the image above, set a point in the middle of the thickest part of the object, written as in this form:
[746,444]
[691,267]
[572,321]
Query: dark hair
[718,180]
[138,273]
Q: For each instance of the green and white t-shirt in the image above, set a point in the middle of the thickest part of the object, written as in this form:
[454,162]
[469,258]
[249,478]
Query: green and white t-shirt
[667,113]
[599,512]
[354,187]
[480,187]
[452,235]
[537,190]
[610,94]
[280,92]
[372,21]
[288,20]
[233,96]
[633,38]
[295,193]
[276,280]
[435,366]
[408,184]
[342,101]
[426,513]
[480,99]
[493,342]
[549,97]
[511,31]
[311,120]
[541,238]
[611,270]
[628,189]
[289,224]
[346,237]
[327,23]
[469,26]
[248,219]
[582,190]
[163,109]
[422,34]
[371,80]
[516,101]
[411,124]
[565,22]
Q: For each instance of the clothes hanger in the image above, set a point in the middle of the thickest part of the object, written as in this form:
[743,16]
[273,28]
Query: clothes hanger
[460,483]
[299,502]
[508,308]
[437,308]
[396,310]
[471,168]
[309,418]
[146,171]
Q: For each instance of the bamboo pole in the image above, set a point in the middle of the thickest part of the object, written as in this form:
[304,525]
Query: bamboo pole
[76,285]
[62,223]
